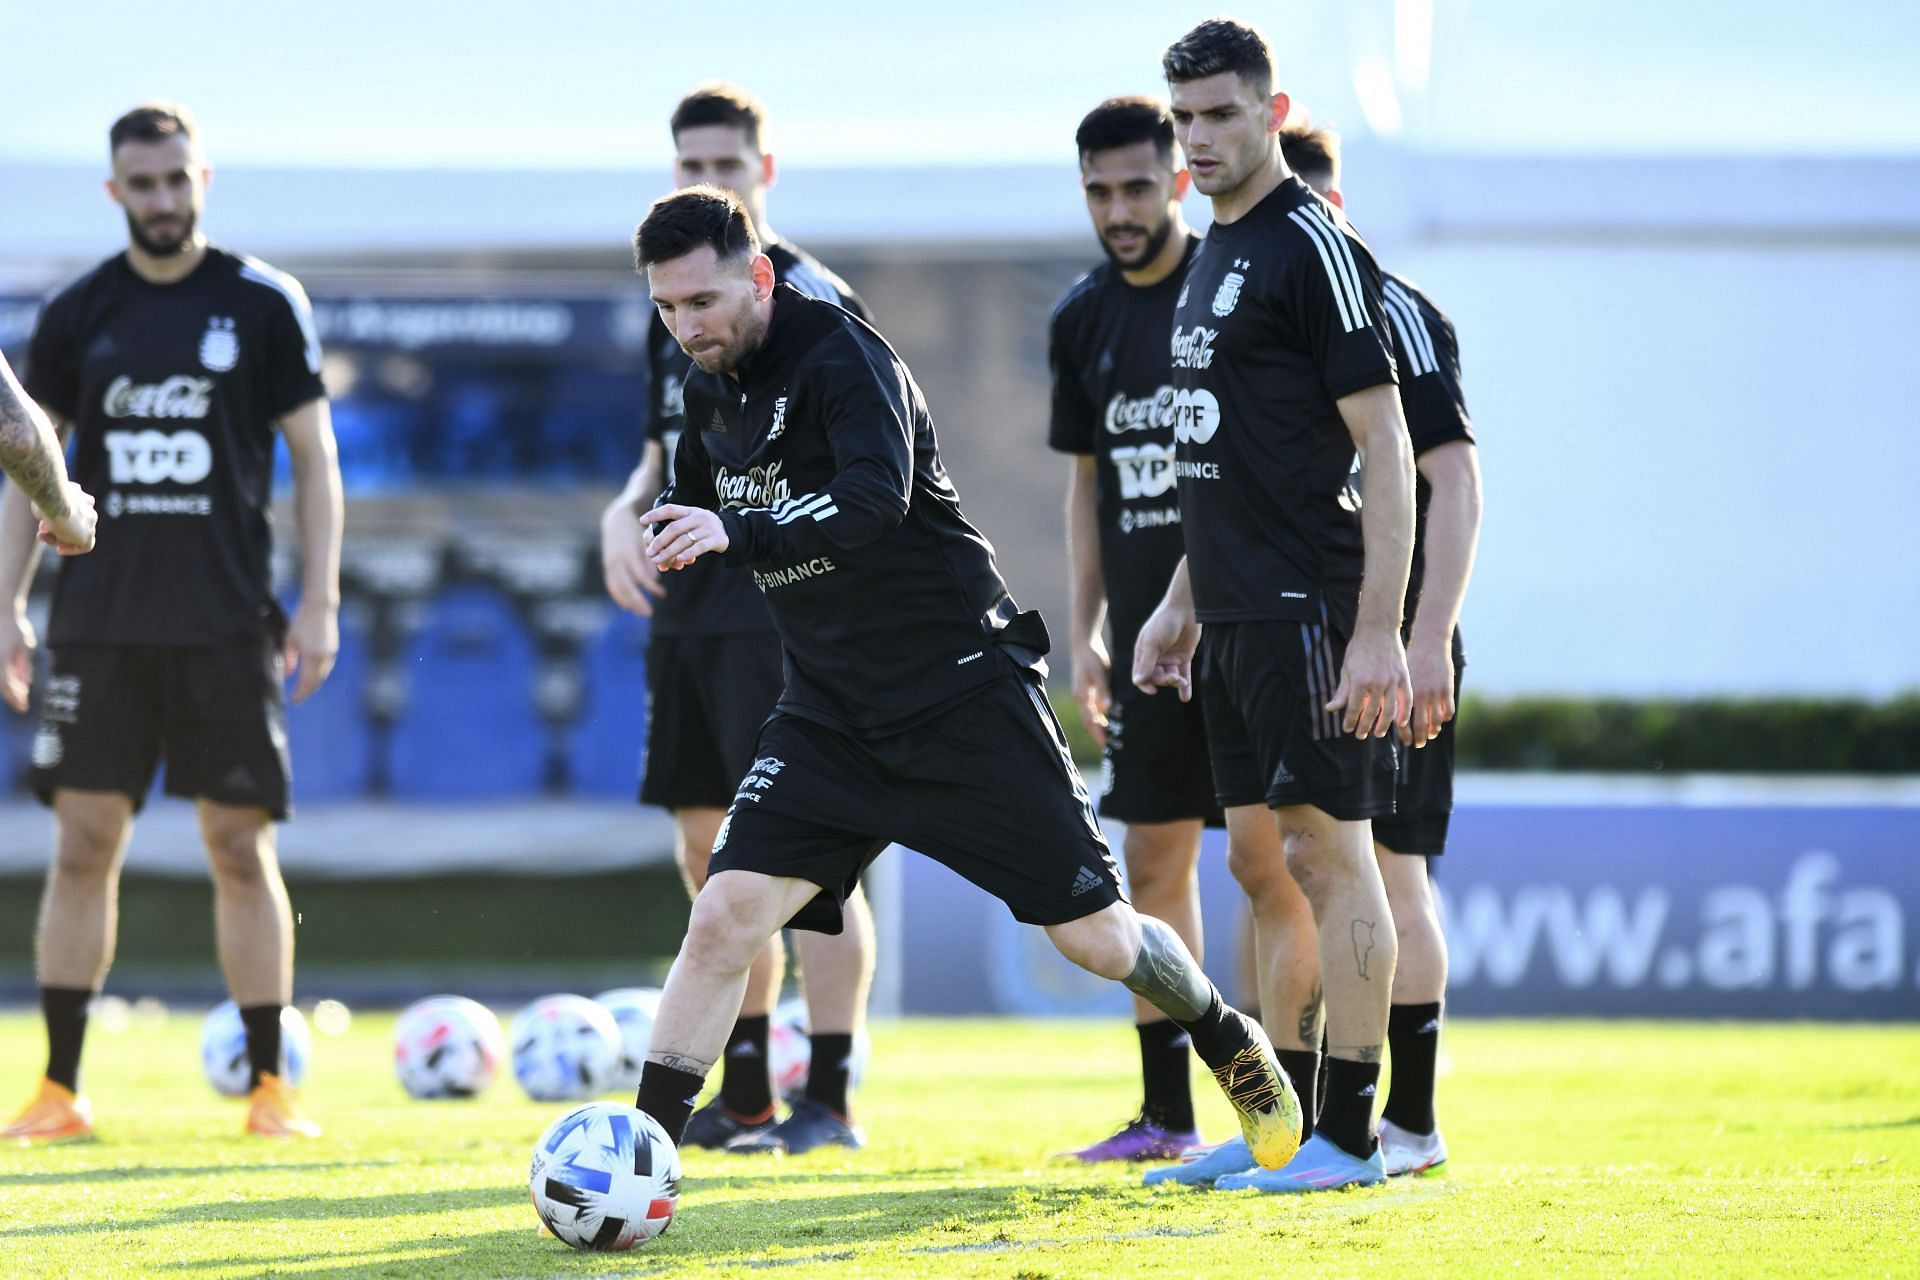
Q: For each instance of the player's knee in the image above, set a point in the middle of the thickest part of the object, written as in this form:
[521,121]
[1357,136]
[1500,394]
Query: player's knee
[727,927]
[1106,943]
[88,845]
[1309,861]
[238,852]
[1259,870]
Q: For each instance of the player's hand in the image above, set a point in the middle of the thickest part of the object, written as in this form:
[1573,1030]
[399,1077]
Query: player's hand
[1092,695]
[17,643]
[1374,690]
[682,535]
[313,642]
[631,578]
[72,533]
[1430,664]
[1163,655]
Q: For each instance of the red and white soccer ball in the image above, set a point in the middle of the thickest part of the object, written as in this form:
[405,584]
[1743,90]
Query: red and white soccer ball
[605,1177]
[447,1047]
[564,1048]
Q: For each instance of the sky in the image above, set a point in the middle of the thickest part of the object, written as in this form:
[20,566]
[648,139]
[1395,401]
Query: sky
[589,83]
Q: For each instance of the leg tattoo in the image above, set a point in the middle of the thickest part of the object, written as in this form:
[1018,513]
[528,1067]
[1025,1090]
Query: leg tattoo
[1165,975]
[1310,1017]
[1362,945]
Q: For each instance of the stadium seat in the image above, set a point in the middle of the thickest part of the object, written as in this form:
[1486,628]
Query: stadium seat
[331,735]
[604,755]
[468,728]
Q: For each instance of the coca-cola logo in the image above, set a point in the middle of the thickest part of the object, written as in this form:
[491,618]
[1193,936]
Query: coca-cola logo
[177,397]
[1193,348]
[149,457]
[1145,414]
[757,487]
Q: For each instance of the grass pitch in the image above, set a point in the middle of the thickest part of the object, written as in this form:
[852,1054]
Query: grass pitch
[1586,1148]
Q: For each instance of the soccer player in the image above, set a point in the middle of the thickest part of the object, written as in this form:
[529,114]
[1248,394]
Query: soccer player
[912,709]
[175,363]
[713,675]
[1447,522]
[1114,411]
[30,455]
[1283,369]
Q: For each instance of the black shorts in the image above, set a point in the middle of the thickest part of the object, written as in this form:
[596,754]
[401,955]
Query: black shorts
[1155,766]
[1265,686]
[985,787]
[215,713]
[1423,793]
[707,697]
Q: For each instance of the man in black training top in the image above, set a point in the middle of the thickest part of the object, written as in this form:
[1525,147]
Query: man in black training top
[1114,410]
[912,709]
[1447,529]
[1280,349]
[175,364]
[713,675]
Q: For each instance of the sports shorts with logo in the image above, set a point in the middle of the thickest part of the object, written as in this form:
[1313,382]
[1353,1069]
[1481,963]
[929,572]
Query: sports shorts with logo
[216,714]
[1265,686]
[1155,766]
[1423,793]
[707,697]
[984,787]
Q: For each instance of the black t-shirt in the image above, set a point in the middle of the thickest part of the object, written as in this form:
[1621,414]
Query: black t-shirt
[1112,399]
[173,392]
[823,463]
[1428,356]
[704,599]
[1279,318]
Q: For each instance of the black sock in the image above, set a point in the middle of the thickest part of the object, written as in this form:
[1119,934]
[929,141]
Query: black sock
[667,1094]
[1166,1074]
[1346,1116]
[1219,1035]
[65,1010]
[746,1079]
[262,1022]
[830,1071]
[1303,1068]
[1413,1038]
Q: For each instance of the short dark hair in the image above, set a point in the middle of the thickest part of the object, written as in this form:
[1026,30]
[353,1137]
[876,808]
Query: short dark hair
[153,122]
[1220,45]
[721,103]
[678,224]
[1121,122]
[1311,150]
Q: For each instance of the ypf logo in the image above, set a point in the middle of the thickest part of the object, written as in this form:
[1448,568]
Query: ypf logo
[1196,416]
[149,457]
[1145,471]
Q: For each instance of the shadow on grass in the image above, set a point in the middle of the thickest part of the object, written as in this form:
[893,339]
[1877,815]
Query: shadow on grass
[757,1233]
[1911,1122]
[291,1209]
[55,1177]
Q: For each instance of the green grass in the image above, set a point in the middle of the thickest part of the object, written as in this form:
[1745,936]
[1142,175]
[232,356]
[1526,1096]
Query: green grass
[1597,1149]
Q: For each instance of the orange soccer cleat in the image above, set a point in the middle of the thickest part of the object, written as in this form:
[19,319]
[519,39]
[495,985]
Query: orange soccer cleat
[56,1114]
[273,1111]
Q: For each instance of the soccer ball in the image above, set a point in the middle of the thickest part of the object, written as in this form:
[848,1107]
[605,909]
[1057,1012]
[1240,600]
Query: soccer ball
[790,1050]
[447,1047]
[223,1049]
[564,1048]
[633,1008]
[605,1177]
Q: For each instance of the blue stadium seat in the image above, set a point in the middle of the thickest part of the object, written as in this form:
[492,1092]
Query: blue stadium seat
[330,735]
[605,752]
[469,729]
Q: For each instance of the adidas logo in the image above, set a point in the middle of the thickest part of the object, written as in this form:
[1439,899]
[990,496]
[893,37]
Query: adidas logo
[745,1049]
[1433,1025]
[1367,1092]
[1184,1041]
[1085,882]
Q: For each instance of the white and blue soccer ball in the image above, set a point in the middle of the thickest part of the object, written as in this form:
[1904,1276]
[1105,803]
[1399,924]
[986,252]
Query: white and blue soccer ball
[447,1047]
[790,1049]
[605,1177]
[223,1049]
[564,1048]
[634,1008]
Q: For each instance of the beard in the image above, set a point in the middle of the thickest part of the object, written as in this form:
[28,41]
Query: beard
[1156,241]
[163,248]
[727,357]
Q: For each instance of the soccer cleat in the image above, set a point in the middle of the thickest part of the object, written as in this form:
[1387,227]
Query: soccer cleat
[1406,1152]
[1203,1168]
[713,1127]
[810,1125]
[1318,1166]
[1140,1139]
[56,1114]
[273,1111]
[1264,1099]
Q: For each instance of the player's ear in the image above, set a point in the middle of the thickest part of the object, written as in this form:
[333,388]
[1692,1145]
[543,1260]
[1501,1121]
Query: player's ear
[1281,105]
[762,270]
[112,189]
[769,171]
[1335,199]
[1182,183]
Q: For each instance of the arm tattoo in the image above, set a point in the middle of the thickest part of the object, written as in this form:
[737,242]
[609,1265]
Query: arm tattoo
[1165,975]
[1362,946]
[1310,1018]
[1355,1052]
[40,472]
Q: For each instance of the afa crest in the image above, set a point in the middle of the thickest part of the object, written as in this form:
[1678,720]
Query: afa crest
[220,345]
[1228,296]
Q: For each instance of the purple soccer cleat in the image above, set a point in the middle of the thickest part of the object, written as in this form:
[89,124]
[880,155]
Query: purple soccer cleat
[1139,1140]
